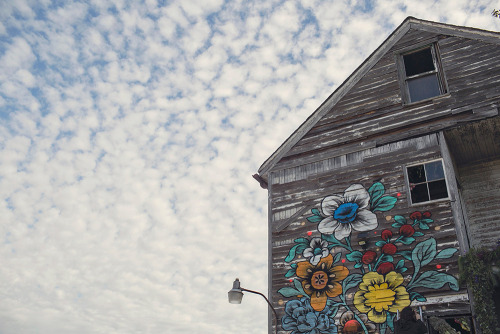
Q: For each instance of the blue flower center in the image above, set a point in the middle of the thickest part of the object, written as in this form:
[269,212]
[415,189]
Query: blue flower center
[317,251]
[346,212]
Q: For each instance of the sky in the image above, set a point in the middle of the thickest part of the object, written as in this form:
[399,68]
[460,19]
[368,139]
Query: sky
[129,133]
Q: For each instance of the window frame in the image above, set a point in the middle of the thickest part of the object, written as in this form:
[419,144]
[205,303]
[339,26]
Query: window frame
[438,71]
[407,183]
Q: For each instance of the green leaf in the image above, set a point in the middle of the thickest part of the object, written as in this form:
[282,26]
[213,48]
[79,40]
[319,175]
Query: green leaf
[435,280]
[289,292]
[380,243]
[316,212]
[290,273]
[298,287]
[407,240]
[376,191]
[314,219]
[406,254]
[390,320]
[400,219]
[331,238]
[302,241]
[354,256]
[400,264]
[397,225]
[337,257]
[386,258]
[427,221]
[423,253]
[291,253]
[351,281]
[383,327]
[423,226]
[418,234]
[386,203]
[446,253]
[301,248]
[415,295]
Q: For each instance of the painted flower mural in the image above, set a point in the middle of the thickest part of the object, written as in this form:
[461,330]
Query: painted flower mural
[317,250]
[329,275]
[351,324]
[379,294]
[346,212]
[301,318]
[321,281]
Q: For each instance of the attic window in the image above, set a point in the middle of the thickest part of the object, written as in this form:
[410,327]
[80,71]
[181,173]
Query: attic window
[421,74]
[427,182]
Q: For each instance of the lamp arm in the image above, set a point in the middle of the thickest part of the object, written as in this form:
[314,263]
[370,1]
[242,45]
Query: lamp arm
[268,302]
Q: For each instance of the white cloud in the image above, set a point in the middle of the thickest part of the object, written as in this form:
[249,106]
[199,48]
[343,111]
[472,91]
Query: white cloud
[129,135]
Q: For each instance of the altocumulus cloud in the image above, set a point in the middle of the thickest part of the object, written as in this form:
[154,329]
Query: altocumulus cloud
[129,132]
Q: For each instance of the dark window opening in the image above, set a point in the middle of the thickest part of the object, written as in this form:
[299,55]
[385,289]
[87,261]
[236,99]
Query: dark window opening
[418,62]
[421,75]
[427,182]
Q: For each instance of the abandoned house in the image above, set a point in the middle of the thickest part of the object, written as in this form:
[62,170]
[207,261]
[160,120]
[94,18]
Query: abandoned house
[372,200]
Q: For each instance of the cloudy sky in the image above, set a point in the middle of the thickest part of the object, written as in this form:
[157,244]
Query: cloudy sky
[129,133]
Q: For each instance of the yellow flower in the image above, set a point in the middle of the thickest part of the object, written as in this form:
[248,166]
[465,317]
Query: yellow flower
[321,281]
[380,294]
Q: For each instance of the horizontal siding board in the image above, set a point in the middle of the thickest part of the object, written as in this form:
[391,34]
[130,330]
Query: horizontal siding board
[369,135]
[481,189]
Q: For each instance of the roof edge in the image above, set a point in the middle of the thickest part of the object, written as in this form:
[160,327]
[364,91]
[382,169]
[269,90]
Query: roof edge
[409,23]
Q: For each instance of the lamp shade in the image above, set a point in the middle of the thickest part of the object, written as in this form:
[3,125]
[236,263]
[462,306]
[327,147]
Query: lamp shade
[235,294]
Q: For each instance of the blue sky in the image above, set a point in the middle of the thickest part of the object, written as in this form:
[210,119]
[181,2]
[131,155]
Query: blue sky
[129,133]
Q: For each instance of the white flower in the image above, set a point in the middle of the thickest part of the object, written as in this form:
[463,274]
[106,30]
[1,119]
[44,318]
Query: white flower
[317,250]
[346,212]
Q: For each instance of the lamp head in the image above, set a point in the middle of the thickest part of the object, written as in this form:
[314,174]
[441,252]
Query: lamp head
[235,294]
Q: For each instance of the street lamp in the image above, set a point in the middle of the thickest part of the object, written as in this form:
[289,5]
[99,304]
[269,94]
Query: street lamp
[235,295]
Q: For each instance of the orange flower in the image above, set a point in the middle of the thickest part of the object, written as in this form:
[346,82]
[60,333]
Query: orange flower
[321,281]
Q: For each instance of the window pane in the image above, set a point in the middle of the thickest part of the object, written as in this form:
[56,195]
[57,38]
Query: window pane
[418,62]
[423,87]
[416,174]
[419,193]
[437,189]
[434,171]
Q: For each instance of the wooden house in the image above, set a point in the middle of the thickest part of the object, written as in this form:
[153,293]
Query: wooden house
[376,195]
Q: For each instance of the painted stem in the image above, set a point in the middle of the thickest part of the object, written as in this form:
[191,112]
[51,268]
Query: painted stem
[342,297]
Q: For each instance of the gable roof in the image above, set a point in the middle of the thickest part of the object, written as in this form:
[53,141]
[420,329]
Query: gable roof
[344,88]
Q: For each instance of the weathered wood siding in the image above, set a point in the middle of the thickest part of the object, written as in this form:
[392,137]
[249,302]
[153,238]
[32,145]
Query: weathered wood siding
[373,114]
[297,190]
[481,191]
[369,136]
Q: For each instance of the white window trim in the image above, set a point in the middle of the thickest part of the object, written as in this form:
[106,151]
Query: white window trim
[407,183]
[403,79]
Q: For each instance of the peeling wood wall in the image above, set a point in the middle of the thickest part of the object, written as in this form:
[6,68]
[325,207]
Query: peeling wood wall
[372,113]
[297,188]
[481,191]
[370,136]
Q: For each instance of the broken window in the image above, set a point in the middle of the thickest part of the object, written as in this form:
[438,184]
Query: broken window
[427,182]
[422,76]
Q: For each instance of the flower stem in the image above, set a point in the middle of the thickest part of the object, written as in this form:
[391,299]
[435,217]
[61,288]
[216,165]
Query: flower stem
[342,297]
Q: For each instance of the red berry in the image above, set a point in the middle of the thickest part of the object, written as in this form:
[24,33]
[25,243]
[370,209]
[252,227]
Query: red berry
[368,257]
[386,234]
[352,327]
[389,249]
[417,215]
[406,230]
[426,214]
[385,268]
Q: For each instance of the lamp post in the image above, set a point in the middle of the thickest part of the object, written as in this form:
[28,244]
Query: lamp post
[235,295]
